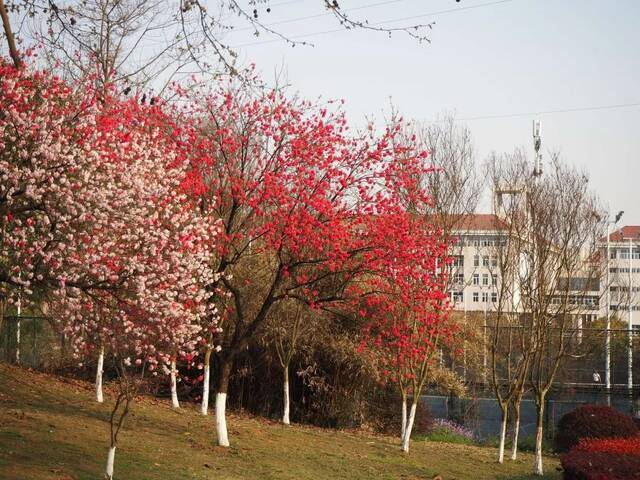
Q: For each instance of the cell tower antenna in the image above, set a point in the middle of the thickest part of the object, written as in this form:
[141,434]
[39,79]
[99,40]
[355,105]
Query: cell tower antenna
[537,141]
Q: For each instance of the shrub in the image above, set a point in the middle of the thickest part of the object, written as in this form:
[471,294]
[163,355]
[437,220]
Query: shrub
[618,446]
[383,413]
[603,459]
[528,444]
[592,421]
[447,431]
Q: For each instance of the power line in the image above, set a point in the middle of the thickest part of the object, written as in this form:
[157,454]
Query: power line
[519,114]
[386,22]
[544,112]
[319,15]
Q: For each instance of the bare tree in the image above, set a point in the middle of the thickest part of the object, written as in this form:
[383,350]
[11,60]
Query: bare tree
[509,339]
[288,325]
[455,185]
[556,227]
[142,42]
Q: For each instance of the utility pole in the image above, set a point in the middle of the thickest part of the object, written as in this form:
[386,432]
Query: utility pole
[607,344]
[464,342]
[629,324]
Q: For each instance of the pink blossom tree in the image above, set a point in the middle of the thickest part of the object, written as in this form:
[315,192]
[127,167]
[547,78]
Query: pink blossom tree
[93,214]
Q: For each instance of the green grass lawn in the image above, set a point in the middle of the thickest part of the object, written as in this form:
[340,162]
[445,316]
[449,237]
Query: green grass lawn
[50,428]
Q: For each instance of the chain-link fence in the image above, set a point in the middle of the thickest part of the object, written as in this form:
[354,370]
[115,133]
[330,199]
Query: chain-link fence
[583,364]
[581,378]
[33,342]
[481,413]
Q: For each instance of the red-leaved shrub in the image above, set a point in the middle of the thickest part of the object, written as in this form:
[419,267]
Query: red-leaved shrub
[592,421]
[603,459]
[619,446]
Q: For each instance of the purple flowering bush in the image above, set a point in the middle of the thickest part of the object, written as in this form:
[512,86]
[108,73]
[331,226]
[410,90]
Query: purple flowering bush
[443,430]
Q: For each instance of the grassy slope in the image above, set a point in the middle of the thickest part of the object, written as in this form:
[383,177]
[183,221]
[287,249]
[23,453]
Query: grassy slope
[51,429]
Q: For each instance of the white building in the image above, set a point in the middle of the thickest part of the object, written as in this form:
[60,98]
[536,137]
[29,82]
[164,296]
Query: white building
[475,273]
[624,275]
[476,280]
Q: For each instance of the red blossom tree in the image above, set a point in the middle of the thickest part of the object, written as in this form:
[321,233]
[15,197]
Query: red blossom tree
[408,313]
[310,211]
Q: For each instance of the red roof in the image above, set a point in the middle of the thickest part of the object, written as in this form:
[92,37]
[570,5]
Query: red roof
[625,233]
[481,221]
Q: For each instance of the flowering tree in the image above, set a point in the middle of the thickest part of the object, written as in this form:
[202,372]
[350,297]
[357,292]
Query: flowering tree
[93,215]
[408,314]
[301,200]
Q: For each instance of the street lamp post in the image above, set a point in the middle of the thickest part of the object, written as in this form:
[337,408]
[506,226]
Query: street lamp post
[607,345]
[630,322]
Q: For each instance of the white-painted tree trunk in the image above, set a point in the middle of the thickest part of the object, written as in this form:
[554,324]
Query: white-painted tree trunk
[516,432]
[204,406]
[285,415]
[503,435]
[18,330]
[407,432]
[221,420]
[404,417]
[110,459]
[99,396]
[174,386]
[537,468]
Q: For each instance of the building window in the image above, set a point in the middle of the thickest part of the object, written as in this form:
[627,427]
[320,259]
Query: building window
[624,254]
[485,297]
[494,279]
[476,260]
[476,279]
[459,278]
[494,297]
[458,297]
[475,297]
[612,254]
[485,279]
[485,261]
[458,261]
[494,261]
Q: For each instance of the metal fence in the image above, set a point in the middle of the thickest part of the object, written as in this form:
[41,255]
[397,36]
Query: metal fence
[482,414]
[583,365]
[581,378]
[32,342]
[42,347]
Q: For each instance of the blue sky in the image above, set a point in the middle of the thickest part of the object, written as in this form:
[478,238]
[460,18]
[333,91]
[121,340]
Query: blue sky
[486,58]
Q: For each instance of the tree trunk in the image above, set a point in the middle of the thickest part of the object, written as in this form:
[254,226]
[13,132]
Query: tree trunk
[204,405]
[516,430]
[110,459]
[99,370]
[404,415]
[503,433]
[174,386]
[407,433]
[285,415]
[18,331]
[537,468]
[11,42]
[221,403]
[18,341]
